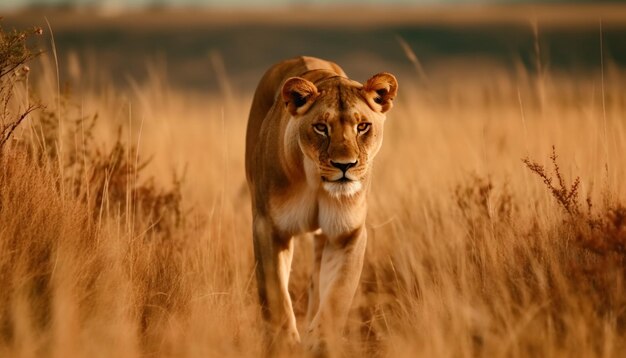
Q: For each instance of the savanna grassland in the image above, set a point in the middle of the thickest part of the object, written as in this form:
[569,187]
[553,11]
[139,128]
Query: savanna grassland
[497,222]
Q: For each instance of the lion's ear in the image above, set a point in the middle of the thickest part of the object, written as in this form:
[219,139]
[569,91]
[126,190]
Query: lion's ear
[380,90]
[298,95]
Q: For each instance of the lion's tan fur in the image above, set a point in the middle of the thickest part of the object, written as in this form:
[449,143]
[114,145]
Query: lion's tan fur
[305,179]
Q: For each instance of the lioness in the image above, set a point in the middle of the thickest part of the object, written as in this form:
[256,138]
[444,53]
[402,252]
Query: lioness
[312,135]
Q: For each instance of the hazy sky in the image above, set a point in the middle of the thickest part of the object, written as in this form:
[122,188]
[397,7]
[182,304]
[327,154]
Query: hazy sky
[12,4]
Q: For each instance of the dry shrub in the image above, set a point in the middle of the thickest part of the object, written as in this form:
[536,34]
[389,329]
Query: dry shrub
[597,260]
[112,181]
[606,233]
[566,196]
[109,180]
[601,230]
[14,54]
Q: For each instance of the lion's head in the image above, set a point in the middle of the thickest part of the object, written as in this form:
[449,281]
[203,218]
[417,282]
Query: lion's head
[338,124]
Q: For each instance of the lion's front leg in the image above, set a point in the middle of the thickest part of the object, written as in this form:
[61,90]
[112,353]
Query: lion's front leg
[319,241]
[273,256]
[340,271]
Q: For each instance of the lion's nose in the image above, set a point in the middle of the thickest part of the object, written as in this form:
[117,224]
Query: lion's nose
[343,166]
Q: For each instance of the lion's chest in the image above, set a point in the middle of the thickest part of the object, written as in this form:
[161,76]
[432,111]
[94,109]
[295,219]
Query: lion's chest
[295,212]
[303,211]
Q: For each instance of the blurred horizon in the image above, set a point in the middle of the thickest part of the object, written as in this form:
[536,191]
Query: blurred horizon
[213,48]
[143,4]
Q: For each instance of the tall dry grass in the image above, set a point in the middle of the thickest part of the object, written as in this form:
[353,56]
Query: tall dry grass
[125,222]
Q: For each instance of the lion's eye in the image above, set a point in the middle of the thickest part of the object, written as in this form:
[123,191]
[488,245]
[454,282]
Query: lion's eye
[363,127]
[321,128]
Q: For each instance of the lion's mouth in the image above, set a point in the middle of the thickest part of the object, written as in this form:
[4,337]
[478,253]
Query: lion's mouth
[341,180]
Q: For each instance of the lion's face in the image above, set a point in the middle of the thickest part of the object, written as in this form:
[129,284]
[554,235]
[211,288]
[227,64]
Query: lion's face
[339,126]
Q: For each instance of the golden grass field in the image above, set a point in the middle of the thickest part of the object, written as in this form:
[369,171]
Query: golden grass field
[469,253]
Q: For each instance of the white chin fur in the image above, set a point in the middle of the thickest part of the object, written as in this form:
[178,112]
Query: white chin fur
[342,189]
